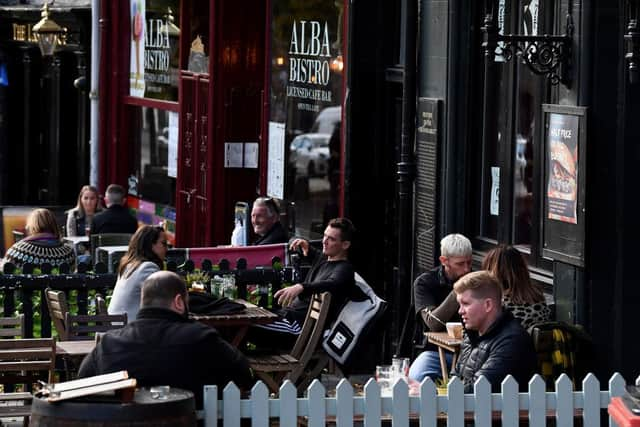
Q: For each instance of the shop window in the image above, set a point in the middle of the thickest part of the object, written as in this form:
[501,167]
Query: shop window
[506,200]
[153,145]
[155,40]
[305,99]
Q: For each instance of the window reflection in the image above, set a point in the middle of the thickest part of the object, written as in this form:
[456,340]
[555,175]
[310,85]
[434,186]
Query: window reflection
[306,94]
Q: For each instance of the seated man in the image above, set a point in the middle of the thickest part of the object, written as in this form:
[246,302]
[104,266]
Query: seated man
[265,218]
[331,272]
[435,302]
[495,344]
[116,218]
[163,347]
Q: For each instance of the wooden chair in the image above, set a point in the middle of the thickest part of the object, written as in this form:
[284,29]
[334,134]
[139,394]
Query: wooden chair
[12,327]
[86,327]
[58,308]
[306,360]
[24,361]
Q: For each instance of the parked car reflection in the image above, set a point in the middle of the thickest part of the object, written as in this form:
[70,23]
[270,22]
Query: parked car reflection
[309,154]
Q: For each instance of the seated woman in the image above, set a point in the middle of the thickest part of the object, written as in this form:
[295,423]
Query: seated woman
[79,218]
[522,297]
[146,254]
[42,244]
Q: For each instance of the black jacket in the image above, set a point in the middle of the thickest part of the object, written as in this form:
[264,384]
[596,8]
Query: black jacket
[163,348]
[276,234]
[506,348]
[114,219]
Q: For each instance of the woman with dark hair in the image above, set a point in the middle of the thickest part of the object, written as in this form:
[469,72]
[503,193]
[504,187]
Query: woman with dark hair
[79,218]
[42,244]
[147,250]
[522,297]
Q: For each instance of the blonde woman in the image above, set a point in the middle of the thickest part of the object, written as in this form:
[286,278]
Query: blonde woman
[79,218]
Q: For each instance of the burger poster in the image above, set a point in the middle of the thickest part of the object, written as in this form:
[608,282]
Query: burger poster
[562,163]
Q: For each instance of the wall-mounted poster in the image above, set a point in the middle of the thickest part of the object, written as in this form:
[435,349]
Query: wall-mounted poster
[562,168]
[564,209]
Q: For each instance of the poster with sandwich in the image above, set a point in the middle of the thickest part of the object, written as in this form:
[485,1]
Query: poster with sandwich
[562,164]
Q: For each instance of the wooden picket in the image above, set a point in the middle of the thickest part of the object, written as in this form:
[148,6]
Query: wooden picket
[563,405]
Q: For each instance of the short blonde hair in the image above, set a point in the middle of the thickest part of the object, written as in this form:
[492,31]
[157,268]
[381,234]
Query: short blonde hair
[42,221]
[482,284]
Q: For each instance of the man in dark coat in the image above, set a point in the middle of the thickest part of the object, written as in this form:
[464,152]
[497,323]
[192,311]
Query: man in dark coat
[435,302]
[495,344]
[116,218]
[163,347]
[265,219]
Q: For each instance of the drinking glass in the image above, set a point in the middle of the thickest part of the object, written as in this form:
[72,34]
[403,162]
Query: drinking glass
[383,377]
[160,392]
[400,368]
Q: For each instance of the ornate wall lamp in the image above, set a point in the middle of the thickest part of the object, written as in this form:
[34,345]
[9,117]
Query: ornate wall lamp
[632,41]
[546,54]
[47,32]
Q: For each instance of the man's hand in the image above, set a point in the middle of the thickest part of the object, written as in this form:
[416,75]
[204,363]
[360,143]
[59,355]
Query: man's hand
[300,243]
[286,296]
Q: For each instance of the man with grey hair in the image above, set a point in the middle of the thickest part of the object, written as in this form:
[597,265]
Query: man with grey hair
[116,218]
[265,218]
[163,347]
[435,302]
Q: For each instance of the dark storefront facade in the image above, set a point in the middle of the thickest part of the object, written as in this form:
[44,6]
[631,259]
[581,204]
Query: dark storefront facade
[44,105]
[510,149]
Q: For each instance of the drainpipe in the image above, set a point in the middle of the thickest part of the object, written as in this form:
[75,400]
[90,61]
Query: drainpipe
[406,171]
[94,141]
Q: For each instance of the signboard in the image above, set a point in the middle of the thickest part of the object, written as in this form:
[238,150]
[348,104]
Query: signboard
[564,183]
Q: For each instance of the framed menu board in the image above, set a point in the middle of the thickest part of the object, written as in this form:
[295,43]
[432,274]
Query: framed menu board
[564,183]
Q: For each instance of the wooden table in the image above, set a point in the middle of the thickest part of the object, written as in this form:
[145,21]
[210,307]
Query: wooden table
[75,349]
[443,341]
[239,322]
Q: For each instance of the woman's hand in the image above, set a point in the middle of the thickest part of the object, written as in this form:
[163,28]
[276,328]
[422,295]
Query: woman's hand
[286,296]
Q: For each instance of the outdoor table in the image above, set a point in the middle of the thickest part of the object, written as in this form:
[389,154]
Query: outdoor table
[443,341]
[238,322]
[112,253]
[75,241]
[71,353]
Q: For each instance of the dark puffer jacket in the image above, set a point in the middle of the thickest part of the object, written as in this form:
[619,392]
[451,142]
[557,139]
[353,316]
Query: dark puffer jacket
[506,348]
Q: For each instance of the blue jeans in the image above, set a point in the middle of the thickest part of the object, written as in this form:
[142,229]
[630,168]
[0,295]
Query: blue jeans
[427,364]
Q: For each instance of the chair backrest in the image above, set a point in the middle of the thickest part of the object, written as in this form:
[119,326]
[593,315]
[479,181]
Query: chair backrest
[108,239]
[101,304]
[12,327]
[314,325]
[58,308]
[26,360]
[85,327]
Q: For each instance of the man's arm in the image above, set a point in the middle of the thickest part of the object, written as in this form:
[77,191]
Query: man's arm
[425,289]
[436,317]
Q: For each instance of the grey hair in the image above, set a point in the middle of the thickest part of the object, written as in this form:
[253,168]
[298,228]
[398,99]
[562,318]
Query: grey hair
[269,203]
[455,245]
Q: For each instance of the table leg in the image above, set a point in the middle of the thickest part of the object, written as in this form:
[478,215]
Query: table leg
[237,339]
[443,365]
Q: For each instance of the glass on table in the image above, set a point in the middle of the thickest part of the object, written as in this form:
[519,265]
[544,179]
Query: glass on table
[400,367]
[384,378]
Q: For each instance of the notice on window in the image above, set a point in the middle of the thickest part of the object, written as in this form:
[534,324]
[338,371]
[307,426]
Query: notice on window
[251,155]
[233,152]
[562,167]
[494,203]
[136,63]
[275,166]
[172,161]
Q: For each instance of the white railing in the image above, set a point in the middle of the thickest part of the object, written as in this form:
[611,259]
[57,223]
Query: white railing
[479,408]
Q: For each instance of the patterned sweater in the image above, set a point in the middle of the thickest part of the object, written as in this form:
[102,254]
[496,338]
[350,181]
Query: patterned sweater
[38,250]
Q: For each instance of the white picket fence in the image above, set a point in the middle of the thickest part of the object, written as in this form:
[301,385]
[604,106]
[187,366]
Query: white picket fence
[345,408]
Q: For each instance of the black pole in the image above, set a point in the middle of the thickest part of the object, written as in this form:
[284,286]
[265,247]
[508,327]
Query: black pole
[27,123]
[80,84]
[406,171]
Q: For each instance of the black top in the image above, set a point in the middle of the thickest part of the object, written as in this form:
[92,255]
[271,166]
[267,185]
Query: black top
[162,347]
[276,234]
[336,277]
[114,219]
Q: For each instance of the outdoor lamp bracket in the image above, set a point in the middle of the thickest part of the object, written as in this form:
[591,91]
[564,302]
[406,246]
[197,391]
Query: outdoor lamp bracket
[47,32]
[546,55]
[632,41]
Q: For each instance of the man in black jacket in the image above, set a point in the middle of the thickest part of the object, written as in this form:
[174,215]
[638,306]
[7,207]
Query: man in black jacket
[116,218]
[495,344]
[163,347]
[265,219]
